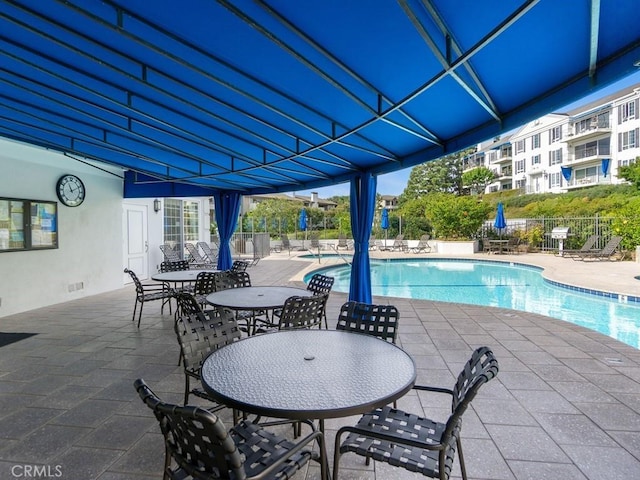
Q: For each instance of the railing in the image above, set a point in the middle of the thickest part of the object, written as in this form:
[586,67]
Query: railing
[581,229]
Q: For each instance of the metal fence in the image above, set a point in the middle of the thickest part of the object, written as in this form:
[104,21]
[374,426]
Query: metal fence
[580,229]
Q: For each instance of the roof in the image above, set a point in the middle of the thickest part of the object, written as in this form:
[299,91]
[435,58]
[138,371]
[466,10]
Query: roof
[199,96]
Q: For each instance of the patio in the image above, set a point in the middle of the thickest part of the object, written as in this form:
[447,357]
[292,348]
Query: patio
[566,403]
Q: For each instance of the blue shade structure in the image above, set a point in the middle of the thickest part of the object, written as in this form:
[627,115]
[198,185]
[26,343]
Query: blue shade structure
[275,96]
[363,199]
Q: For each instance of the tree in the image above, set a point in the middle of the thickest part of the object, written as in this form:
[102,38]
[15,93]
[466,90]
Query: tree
[477,179]
[443,175]
[631,173]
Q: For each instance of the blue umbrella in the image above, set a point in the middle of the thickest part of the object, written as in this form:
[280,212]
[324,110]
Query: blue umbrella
[384,224]
[303,220]
[500,222]
[302,224]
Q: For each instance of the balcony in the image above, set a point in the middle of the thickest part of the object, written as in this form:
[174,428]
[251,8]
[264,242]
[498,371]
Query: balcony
[581,156]
[592,131]
[589,181]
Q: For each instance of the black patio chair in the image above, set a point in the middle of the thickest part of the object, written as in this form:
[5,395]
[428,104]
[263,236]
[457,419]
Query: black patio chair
[199,446]
[148,293]
[318,284]
[416,443]
[228,279]
[321,284]
[199,332]
[302,312]
[378,320]
[239,266]
[204,285]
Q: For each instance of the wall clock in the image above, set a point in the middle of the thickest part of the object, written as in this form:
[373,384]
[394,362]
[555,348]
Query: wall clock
[70,190]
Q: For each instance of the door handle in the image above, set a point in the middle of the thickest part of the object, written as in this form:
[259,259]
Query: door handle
[146,246]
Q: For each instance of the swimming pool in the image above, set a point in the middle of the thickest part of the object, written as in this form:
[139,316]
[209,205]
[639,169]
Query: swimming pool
[498,284]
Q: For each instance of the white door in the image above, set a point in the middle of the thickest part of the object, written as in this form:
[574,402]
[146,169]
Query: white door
[136,244]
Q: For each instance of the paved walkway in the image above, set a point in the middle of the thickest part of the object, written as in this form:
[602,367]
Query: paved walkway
[565,405]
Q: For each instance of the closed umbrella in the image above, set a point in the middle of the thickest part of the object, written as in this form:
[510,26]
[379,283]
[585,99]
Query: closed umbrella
[303,224]
[500,222]
[384,224]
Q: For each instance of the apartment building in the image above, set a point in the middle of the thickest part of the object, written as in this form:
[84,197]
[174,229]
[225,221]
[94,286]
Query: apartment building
[569,150]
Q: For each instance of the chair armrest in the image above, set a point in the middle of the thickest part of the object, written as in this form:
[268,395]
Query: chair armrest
[426,388]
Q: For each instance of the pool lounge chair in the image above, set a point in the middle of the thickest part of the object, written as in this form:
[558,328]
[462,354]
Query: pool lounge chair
[606,253]
[399,244]
[423,245]
[588,246]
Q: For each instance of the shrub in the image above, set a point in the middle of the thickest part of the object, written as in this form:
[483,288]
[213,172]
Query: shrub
[456,218]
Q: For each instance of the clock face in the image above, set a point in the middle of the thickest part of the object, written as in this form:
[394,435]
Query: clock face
[70,190]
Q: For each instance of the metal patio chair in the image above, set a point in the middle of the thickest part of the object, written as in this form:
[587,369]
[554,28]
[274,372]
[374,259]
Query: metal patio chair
[303,312]
[416,443]
[198,445]
[200,332]
[148,293]
[378,320]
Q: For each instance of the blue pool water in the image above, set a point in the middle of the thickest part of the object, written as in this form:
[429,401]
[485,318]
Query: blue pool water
[496,284]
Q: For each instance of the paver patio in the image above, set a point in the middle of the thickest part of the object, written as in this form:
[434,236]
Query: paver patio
[565,405]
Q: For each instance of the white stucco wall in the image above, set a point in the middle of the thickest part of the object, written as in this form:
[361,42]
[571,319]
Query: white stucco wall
[90,236]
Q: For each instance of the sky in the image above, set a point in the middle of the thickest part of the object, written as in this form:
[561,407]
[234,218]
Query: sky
[394,183]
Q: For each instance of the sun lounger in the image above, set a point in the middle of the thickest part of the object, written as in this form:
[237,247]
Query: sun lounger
[588,246]
[606,253]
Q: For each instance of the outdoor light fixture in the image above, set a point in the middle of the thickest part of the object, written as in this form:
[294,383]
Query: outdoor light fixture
[156,205]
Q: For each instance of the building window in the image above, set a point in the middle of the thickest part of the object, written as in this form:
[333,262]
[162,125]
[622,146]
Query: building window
[628,111]
[181,223]
[555,157]
[520,146]
[627,140]
[535,141]
[535,160]
[625,163]
[555,180]
[520,166]
[521,183]
[555,135]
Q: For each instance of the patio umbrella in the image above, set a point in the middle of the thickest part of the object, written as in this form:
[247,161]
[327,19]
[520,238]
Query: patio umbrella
[302,224]
[500,221]
[384,224]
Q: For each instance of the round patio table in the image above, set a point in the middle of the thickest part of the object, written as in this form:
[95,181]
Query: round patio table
[308,374]
[255,298]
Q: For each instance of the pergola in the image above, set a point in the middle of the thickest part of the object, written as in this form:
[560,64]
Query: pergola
[224,98]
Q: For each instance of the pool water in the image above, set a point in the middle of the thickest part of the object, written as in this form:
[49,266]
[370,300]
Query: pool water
[495,284]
